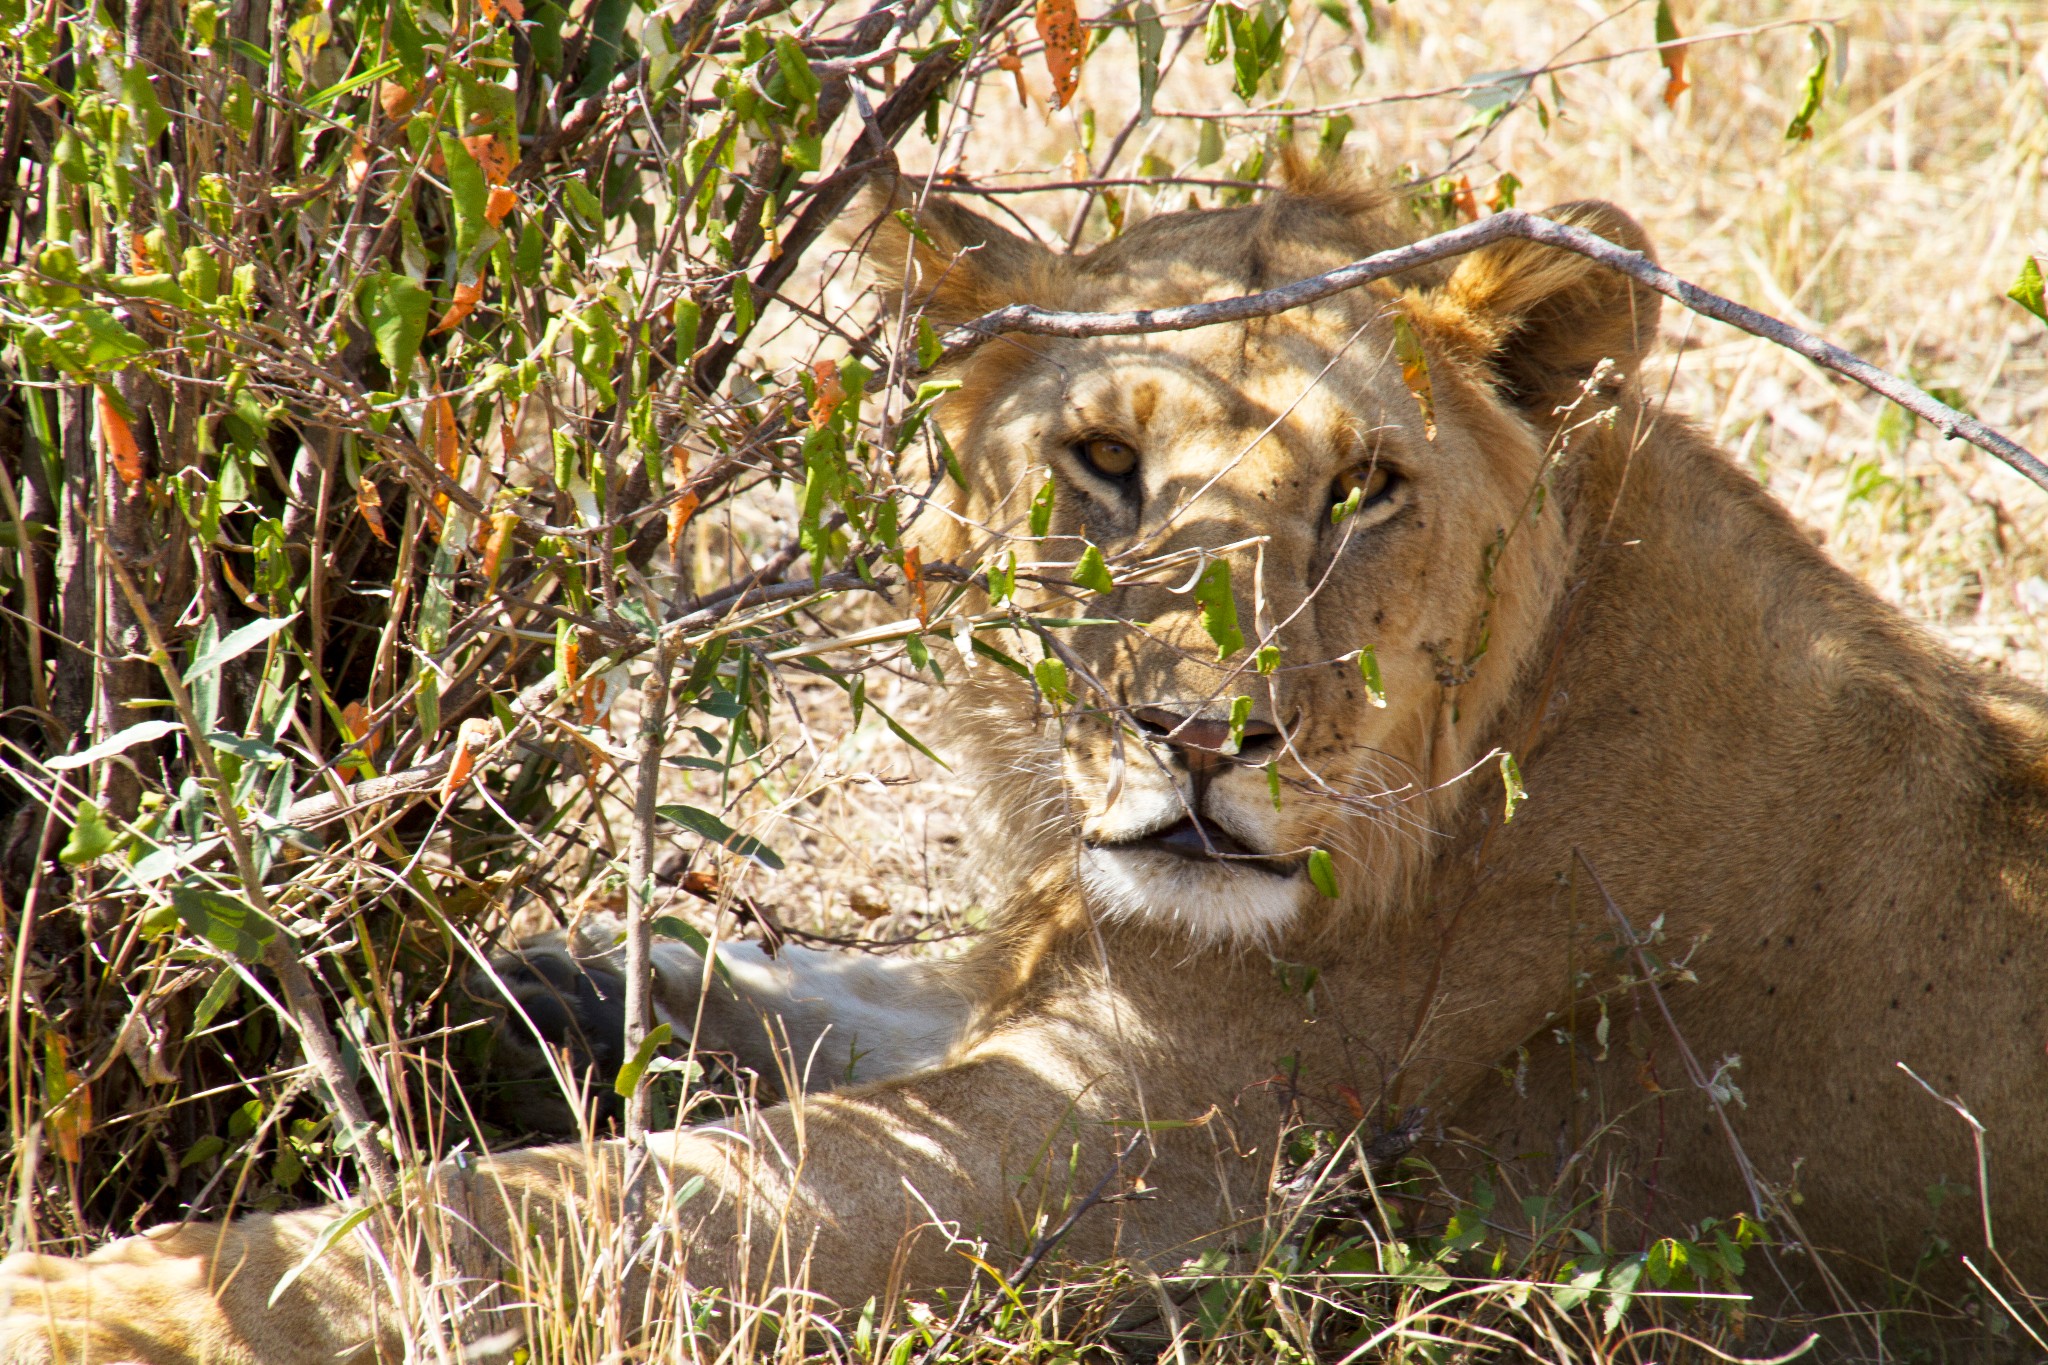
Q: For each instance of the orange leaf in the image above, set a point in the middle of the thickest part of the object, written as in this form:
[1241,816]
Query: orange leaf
[494,549]
[120,440]
[397,99]
[679,513]
[571,660]
[447,439]
[830,392]
[358,164]
[1059,28]
[1012,63]
[366,740]
[475,736]
[370,507]
[138,249]
[501,202]
[1673,58]
[1462,197]
[913,569]
[460,307]
[592,690]
[492,155]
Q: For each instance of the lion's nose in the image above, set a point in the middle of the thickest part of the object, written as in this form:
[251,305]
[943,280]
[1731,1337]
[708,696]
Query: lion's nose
[1199,739]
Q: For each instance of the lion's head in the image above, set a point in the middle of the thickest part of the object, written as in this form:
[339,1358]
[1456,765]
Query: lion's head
[1356,527]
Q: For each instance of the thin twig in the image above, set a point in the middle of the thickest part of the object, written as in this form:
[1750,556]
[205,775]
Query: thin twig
[280,954]
[1031,320]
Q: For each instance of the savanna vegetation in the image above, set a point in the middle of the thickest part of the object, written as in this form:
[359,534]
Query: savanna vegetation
[455,483]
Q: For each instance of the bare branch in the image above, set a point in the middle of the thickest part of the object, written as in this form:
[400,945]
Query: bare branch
[1031,320]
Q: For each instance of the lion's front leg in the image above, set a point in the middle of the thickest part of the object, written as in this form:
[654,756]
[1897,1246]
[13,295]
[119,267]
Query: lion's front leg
[804,1019]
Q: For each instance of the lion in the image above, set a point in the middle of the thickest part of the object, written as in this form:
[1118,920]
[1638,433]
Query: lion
[1457,529]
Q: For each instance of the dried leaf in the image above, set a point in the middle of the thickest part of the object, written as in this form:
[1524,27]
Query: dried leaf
[362,736]
[501,202]
[1059,28]
[358,164]
[1672,57]
[447,437]
[370,507]
[830,393]
[1415,372]
[460,307]
[1463,199]
[397,100]
[679,513]
[511,7]
[913,569]
[120,440]
[492,156]
[67,1100]
[1009,61]
[472,739]
[494,547]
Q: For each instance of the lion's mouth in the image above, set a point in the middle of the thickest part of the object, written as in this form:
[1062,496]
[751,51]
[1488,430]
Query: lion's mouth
[1199,840]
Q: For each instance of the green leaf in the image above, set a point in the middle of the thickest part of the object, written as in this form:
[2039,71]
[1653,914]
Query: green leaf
[1151,39]
[1041,508]
[142,733]
[1092,573]
[1219,608]
[469,193]
[143,106]
[236,643]
[1209,150]
[2028,291]
[630,1074]
[228,923]
[796,72]
[668,926]
[1511,780]
[395,310]
[1273,782]
[1323,872]
[91,836]
[405,39]
[223,989]
[929,351]
[1266,659]
[742,305]
[1240,714]
[1051,676]
[584,203]
[1815,86]
[711,827]
[329,1235]
[1369,669]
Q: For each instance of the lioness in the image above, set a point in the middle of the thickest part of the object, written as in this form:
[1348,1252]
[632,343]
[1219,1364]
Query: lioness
[1842,827]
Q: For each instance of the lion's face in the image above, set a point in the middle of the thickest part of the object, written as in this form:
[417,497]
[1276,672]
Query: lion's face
[1366,544]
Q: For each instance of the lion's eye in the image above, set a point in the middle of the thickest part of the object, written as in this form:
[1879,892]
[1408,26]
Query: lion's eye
[1111,459]
[1366,486]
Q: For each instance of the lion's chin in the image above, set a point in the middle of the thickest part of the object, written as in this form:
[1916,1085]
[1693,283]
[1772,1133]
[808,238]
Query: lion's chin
[1208,899]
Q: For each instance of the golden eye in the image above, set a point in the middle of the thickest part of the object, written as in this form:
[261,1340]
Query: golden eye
[1111,459]
[1369,483]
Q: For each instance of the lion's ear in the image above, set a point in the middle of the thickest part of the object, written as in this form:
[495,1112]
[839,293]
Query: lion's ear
[1543,319]
[955,264]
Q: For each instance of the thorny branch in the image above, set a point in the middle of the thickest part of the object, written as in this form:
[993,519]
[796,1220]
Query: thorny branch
[1030,320]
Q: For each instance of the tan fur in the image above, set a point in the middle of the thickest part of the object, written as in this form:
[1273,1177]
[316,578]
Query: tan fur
[1839,825]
